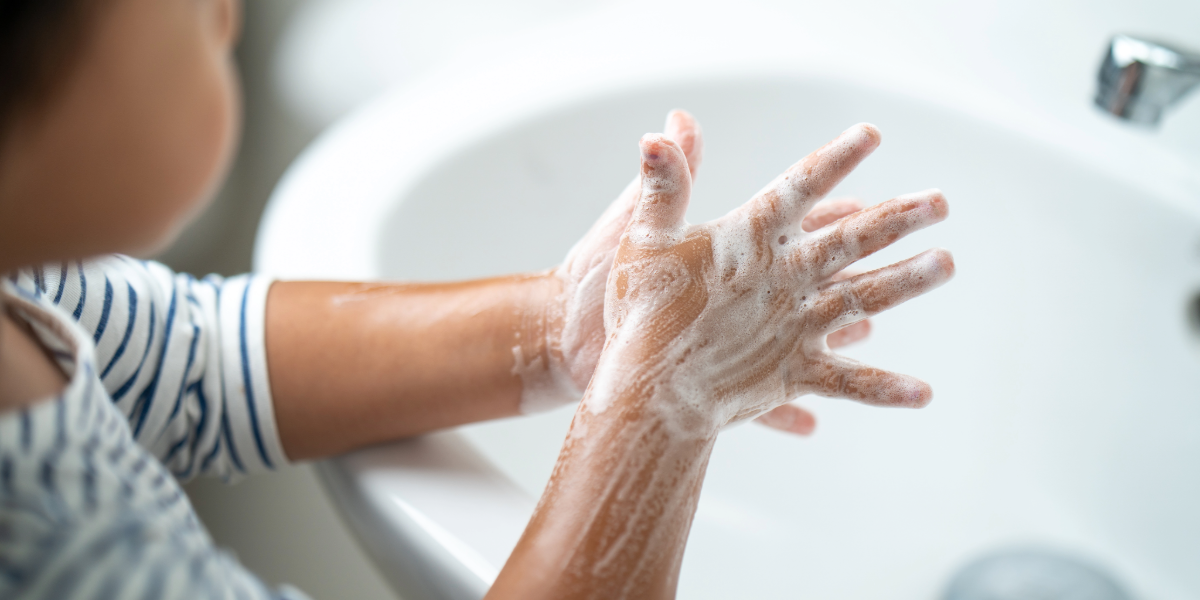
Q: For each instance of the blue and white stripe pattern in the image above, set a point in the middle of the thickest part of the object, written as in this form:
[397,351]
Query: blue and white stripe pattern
[167,379]
[183,359]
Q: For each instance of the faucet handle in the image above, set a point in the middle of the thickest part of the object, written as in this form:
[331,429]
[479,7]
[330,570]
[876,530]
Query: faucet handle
[1140,78]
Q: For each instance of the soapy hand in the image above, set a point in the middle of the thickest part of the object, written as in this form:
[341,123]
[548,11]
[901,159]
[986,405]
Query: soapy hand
[728,319]
[577,315]
[576,321]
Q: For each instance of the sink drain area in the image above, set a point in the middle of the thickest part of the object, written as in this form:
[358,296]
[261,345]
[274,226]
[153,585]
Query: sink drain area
[1034,573]
[1193,315]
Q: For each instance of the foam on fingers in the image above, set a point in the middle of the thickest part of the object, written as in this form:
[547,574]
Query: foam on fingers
[666,187]
[840,377]
[828,211]
[872,229]
[790,196]
[728,320]
[828,166]
[684,130]
[890,286]
[575,336]
[871,293]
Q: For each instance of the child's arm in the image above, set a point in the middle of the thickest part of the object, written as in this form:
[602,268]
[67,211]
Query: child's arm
[709,325]
[354,364]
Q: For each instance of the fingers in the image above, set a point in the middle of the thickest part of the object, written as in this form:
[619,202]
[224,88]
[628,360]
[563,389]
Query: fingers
[828,211]
[789,418]
[666,186]
[847,273]
[789,197]
[854,332]
[861,234]
[836,376]
[848,335]
[683,129]
[865,295]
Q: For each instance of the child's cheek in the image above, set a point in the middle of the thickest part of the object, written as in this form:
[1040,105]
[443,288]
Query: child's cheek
[197,135]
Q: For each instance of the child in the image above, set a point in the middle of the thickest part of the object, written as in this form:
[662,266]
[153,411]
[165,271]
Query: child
[118,377]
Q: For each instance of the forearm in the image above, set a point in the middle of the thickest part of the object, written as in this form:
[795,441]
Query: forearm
[354,364]
[614,519]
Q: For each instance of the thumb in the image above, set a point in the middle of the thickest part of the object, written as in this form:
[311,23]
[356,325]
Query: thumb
[683,129]
[666,186]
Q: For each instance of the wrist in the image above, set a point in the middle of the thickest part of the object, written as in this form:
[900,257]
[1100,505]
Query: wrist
[537,348]
[632,384]
[623,494]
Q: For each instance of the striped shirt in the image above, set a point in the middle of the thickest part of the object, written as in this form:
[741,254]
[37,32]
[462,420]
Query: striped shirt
[167,379]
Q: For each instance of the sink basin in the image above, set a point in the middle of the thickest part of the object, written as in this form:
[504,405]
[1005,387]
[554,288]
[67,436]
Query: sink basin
[1065,362]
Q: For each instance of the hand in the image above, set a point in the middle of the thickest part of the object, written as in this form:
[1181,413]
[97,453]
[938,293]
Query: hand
[707,325]
[576,319]
[560,369]
[730,318]
[791,418]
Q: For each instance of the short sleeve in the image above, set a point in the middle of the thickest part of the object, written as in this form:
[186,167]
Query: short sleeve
[184,359]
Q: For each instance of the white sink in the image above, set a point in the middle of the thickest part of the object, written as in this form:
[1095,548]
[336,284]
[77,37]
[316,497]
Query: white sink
[1065,369]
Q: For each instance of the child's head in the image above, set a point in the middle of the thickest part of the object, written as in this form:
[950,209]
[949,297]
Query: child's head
[117,120]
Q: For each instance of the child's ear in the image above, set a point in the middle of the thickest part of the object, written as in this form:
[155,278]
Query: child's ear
[228,20]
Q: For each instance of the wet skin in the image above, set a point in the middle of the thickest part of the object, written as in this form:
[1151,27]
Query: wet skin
[707,325]
[396,360]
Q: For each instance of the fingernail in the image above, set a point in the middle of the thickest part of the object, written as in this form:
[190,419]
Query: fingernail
[650,148]
[806,428]
[867,132]
[673,119]
[937,203]
[943,261]
[920,395]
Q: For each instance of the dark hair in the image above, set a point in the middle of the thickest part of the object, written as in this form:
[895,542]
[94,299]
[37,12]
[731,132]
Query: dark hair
[39,41]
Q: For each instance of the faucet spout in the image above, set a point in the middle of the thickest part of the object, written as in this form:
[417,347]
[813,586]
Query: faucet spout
[1140,78]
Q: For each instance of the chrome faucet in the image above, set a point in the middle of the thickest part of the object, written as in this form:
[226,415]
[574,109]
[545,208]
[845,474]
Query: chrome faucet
[1140,78]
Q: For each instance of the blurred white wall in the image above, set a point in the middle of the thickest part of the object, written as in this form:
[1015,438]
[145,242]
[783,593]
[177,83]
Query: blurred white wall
[307,62]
